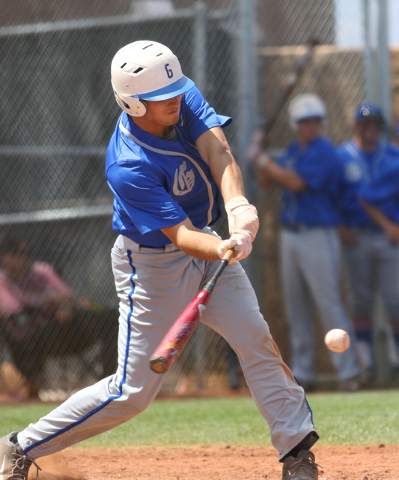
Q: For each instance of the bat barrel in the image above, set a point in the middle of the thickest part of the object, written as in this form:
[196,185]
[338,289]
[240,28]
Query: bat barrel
[179,334]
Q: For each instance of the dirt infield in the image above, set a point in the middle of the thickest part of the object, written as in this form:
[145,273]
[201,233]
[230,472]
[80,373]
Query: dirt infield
[210,463]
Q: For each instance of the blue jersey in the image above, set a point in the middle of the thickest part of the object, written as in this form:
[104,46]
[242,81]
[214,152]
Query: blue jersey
[383,191]
[358,169]
[158,183]
[317,165]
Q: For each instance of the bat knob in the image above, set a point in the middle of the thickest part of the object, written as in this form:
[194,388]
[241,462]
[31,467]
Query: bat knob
[159,364]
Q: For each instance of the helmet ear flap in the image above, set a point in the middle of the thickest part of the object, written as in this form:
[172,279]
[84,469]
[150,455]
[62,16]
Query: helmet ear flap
[133,106]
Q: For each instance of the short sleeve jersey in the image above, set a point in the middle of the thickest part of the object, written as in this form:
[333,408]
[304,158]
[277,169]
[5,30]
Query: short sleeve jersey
[358,169]
[317,165]
[383,191]
[158,183]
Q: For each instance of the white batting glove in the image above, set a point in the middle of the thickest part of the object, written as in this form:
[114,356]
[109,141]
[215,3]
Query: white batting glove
[243,217]
[242,247]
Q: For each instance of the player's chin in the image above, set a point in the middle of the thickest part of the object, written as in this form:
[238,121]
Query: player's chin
[173,117]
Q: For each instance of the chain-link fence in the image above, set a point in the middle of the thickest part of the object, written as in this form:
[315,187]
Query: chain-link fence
[56,117]
[327,48]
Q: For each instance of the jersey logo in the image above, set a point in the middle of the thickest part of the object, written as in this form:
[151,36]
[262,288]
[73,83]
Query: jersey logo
[353,172]
[184,181]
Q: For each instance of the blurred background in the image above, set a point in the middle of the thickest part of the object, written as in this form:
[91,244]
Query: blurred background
[58,112]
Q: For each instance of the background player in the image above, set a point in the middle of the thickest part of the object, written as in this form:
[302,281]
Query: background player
[169,166]
[371,258]
[310,250]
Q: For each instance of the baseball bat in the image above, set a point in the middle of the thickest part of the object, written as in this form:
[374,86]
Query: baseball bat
[293,82]
[180,332]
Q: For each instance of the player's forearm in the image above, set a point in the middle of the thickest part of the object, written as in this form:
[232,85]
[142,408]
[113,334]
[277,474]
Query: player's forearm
[229,179]
[261,161]
[199,244]
[377,215]
[193,241]
[284,177]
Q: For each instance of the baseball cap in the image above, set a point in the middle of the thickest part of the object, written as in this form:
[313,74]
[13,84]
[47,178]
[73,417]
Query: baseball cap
[368,111]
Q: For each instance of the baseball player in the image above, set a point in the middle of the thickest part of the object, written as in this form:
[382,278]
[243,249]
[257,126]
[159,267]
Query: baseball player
[310,250]
[380,199]
[170,167]
[371,256]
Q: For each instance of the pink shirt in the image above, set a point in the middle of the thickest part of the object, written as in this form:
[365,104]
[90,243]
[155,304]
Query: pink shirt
[39,282]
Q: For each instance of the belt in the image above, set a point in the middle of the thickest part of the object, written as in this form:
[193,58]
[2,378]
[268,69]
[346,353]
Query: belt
[368,229]
[125,243]
[149,249]
[141,247]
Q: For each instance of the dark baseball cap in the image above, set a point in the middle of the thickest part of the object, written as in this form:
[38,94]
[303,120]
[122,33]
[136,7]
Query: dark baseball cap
[369,111]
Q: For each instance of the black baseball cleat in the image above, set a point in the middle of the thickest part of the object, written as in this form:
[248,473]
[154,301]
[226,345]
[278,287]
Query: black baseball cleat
[15,463]
[303,467]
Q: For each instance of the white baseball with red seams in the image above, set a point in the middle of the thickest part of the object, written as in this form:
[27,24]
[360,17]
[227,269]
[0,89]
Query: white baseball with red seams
[337,340]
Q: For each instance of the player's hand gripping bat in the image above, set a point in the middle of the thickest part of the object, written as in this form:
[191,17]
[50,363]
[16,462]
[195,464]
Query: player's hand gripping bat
[181,330]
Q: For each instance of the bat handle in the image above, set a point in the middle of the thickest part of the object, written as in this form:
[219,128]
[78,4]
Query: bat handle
[210,284]
[229,254]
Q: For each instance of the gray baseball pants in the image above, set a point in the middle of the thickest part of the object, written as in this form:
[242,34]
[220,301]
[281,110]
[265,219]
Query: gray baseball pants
[154,287]
[371,265]
[310,264]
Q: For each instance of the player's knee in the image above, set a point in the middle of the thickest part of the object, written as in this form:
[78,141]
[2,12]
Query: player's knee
[256,339]
[138,401]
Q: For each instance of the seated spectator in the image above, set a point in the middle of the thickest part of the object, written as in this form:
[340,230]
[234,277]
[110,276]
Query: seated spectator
[39,314]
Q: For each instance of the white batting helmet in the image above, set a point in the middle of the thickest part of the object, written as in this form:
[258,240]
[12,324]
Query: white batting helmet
[305,106]
[146,70]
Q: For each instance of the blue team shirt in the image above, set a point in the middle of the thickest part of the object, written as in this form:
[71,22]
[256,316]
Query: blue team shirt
[359,170]
[383,191]
[159,183]
[317,165]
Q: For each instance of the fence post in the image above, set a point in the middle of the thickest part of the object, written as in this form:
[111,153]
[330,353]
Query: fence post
[383,57]
[247,77]
[376,57]
[377,76]
[200,69]
[247,110]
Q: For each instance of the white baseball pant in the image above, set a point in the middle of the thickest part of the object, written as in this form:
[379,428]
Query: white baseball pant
[310,262]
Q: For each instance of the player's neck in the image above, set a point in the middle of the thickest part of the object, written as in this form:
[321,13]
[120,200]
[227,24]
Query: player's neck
[306,140]
[154,129]
[364,146]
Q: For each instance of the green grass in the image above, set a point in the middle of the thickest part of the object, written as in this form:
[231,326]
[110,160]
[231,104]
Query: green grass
[363,418]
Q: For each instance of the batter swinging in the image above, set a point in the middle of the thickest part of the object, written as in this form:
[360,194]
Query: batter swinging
[169,167]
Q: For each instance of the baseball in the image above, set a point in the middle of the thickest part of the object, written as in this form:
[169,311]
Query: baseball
[337,340]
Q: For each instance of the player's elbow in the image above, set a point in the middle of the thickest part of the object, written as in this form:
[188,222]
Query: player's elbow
[296,185]
[264,180]
[213,145]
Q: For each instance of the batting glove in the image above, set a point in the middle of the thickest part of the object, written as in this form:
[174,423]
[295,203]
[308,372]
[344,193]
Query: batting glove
[243,217]
[242,247]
